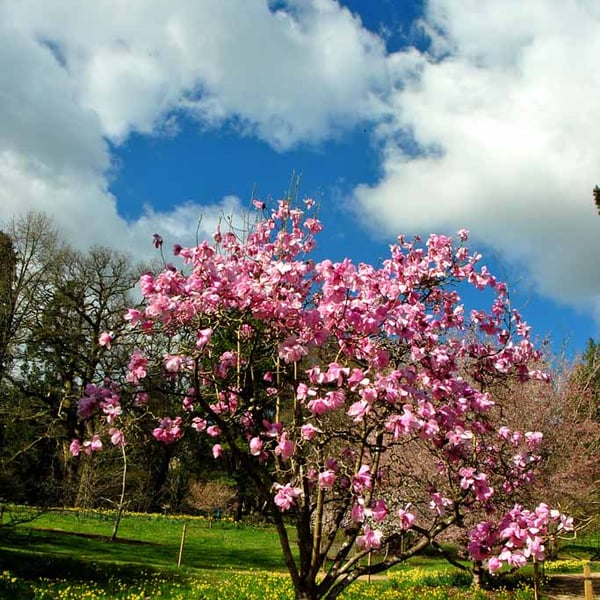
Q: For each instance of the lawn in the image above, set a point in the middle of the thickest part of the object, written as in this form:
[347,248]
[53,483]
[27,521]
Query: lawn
[154,540]
[66,555]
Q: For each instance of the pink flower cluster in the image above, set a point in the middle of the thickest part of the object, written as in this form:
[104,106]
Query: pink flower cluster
[280,348]
[286,495]
[104,398]
[517,537]
[137,368]
[169,430]
[99,399]
[89,446]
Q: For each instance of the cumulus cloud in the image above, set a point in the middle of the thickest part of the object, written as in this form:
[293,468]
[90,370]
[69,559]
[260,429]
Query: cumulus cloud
[80,75]
[87,214]
[188,223]
[493,128]
[503,122]
[290,75]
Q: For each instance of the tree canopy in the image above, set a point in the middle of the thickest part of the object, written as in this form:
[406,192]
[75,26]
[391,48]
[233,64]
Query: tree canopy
[359,400]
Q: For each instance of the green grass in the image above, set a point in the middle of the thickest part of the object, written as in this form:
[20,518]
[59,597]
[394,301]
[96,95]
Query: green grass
[66,555]
[151,540]
[585,547]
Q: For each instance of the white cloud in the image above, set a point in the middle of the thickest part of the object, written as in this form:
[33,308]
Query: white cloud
[507,115]
[187,224]
[87,214]
[503,111]
[40,116]
[75,75]
[294,75]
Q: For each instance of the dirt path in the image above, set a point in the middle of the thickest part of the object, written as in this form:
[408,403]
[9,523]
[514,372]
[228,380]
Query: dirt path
[569,587]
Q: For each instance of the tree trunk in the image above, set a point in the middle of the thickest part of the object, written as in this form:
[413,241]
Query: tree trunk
[121,504]
[552,548]
[82,498]
[306,592]
[478,574]
[157,499]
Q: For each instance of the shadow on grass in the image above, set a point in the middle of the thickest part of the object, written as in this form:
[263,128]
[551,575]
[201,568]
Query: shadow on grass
[60,554]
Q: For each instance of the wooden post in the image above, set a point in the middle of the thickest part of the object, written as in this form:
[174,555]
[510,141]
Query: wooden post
[536,580]
[181,545]
[587,582]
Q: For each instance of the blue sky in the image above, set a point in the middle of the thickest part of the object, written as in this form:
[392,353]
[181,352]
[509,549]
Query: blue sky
[125,117]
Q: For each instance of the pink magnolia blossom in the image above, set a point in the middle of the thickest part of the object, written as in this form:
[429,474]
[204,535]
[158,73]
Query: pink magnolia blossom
[286,447]
[112,411]
[534,439]
[303,392]
[406,519]
[137,367]
[169,430]
[87,406]
[494,564]
[106,339]
[358,512]
[93,445]
[199,424]
[213,430]
[363,479]
[483,491]
[226,363]
[188,400]
[256,446]
[439,503]
[370,539]
[359,410]
[272,430]
[308,431]
[318,406]
[467,477]
[378,510]
[286,495]
[332,464]
[175,363]
[291,350]
[327,478]
[75,447]
[204,336]
[134,316]
[116,436]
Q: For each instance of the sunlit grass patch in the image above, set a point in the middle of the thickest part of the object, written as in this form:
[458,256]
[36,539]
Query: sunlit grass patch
[449,584]
[413,577]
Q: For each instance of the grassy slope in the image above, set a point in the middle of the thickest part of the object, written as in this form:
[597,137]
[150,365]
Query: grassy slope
[74,547]
[149,541]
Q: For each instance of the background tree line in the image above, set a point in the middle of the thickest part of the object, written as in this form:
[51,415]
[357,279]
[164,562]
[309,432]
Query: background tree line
[55,302]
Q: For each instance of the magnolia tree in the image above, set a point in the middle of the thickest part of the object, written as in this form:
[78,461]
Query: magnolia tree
[355,397]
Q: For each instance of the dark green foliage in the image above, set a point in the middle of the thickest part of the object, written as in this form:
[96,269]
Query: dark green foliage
[8,266]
